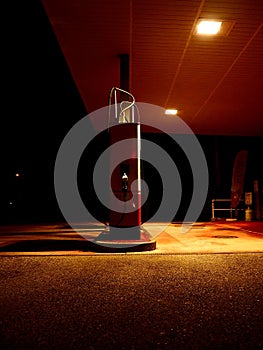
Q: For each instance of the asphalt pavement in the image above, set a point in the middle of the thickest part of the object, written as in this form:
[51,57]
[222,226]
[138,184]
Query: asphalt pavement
[132,301]
[199,289]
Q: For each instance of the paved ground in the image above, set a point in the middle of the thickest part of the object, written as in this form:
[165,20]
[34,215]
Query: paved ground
[202,237]
[202,289]
[134,301]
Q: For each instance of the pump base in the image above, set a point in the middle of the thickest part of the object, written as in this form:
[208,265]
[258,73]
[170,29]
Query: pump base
[112,242]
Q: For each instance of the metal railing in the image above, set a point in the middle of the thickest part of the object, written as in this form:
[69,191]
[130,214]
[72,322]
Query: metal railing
[231,211]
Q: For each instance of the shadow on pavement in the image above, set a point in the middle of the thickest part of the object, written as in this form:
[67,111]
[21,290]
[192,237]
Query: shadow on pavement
[29,246]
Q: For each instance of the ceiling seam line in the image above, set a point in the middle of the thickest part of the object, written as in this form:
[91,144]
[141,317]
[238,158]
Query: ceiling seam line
[184,53]
[227,72]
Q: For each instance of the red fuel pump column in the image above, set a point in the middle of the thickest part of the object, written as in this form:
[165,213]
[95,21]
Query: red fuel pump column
[125,183]
[125,230]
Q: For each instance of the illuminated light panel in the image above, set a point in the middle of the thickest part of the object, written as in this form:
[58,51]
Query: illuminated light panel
[170,111]
[208,27]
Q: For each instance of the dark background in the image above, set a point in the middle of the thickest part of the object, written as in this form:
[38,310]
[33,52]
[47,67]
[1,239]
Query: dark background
[40,105]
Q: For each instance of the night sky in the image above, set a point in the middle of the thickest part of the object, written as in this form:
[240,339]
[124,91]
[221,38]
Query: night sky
[41,103]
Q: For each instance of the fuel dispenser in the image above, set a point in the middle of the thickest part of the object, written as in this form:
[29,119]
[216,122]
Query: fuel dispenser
[125,175]
[127,212]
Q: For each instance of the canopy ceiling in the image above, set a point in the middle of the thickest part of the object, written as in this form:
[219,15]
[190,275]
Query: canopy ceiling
[216,82]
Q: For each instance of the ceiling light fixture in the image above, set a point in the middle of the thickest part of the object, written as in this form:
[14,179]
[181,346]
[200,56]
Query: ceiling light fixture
[208,27]
[170,111]
[214,27]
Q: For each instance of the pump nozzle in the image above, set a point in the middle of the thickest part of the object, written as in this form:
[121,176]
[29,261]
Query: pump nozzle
[124,182]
